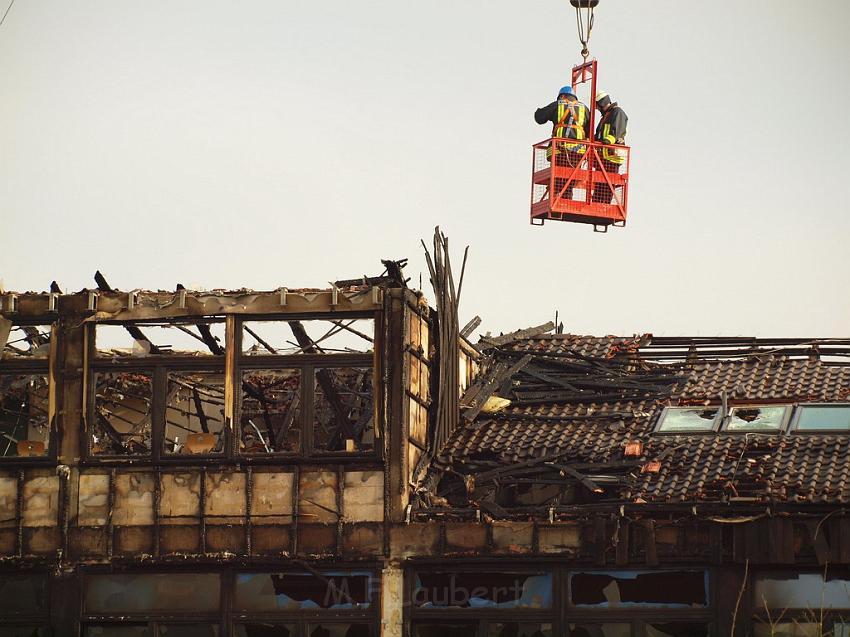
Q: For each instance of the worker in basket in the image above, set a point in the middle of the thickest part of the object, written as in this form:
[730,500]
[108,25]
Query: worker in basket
[570,120]
[611,131]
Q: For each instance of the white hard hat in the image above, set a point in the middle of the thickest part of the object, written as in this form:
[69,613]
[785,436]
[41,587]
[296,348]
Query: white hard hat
[601,95]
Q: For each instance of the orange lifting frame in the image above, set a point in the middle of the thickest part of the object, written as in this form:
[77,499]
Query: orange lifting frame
[585,181]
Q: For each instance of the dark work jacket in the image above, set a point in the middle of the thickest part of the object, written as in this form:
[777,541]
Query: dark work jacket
[611,128]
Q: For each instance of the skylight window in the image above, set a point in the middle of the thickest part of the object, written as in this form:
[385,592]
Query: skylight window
[824,417]
[688,419]
[757,418]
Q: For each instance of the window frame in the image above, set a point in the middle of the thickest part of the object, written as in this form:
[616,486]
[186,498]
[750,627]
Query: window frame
[781,430]
[36,367]
[482,616]
[307,364]
[231,364]
[798,414]
[302,618]
[563,612]
[758,614]
[227,616]
[159,368]
[715,425]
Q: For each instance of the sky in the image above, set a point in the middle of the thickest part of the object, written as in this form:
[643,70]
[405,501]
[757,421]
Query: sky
[291,143]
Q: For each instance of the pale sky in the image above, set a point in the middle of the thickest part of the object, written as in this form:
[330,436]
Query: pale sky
[291,143]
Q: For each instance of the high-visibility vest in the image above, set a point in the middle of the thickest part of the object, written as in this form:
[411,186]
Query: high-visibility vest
[613,155]
[571,119]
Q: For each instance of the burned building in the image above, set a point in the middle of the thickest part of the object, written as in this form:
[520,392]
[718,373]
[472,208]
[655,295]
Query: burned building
[347,462]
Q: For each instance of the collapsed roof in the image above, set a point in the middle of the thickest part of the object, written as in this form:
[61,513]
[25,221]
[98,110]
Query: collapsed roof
[557,420]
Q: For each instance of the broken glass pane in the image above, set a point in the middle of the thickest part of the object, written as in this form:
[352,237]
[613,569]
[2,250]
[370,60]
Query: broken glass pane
[649,589]
[519,629]
[687,419]
[314,336]
[194,413]
[788,629]
[600,630]
[270,420]
[121,421]
[343,418]
[454,629]
[257,629]
[803,591]
[151,592]
[24,424]
[676,629]
[823,417]
[483,590]
[762,418]
[198,337]
[27,341]
[355,629]
[22,594]
[305,591]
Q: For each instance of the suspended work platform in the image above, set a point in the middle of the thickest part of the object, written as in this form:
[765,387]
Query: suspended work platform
[582,184]
[582,181]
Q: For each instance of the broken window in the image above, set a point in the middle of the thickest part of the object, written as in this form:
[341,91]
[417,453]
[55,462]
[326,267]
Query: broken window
[687,419]
[483,590]
[121,421]
[835,417]
[343,418]
[270,415]
[756,418]
[195,337]
[122,593]
[314,336]
[194,413]
[640,589]
[801,591]
[294,591]
[25,341]
[24,420]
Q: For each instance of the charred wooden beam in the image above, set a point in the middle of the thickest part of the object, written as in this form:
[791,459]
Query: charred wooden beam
[326,381]
[134,331]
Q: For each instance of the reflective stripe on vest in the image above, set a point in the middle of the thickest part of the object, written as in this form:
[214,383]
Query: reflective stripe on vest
[614,155]
[571,117]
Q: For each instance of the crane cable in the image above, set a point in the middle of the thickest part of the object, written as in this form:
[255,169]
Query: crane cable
[585,25]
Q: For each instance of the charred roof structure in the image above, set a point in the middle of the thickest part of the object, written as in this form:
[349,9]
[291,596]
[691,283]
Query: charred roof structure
[351,461]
